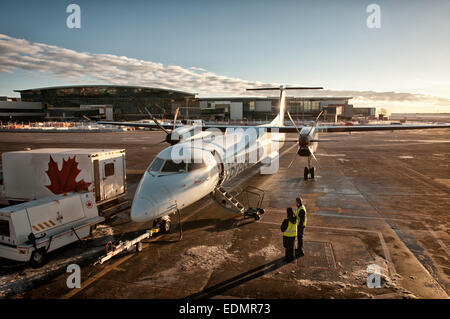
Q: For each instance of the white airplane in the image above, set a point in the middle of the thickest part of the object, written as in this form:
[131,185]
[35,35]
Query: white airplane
[205,160]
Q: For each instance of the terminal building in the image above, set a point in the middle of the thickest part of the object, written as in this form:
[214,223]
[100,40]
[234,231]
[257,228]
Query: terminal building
[14,109]
[128,103]
[110,102]
[257,108]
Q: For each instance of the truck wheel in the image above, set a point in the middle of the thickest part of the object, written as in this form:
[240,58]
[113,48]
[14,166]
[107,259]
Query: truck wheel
[38,258]
[139,247]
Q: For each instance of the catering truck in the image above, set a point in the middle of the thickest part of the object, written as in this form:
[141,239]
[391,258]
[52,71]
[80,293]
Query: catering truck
[33,174]
[30,230]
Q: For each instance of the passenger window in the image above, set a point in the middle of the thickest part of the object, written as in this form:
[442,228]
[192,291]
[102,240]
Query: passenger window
[109,169]
[4,228]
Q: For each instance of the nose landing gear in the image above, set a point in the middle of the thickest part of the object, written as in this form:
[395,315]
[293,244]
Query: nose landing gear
[310,170]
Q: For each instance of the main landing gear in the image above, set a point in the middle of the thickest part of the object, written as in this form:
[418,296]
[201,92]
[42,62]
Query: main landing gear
[309,171]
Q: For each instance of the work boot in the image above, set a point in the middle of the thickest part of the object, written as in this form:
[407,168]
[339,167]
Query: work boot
[299,252]
[288,259]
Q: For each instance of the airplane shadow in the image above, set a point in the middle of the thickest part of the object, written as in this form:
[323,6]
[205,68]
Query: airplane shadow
[238,280]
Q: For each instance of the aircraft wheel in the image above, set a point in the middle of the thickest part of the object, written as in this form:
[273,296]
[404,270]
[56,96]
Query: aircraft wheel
[139,247]
[306,173]
[38,258]
[311,171]
[165,226]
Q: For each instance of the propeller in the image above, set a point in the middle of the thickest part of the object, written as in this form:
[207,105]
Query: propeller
[306,136]
[168,138]
[156,121]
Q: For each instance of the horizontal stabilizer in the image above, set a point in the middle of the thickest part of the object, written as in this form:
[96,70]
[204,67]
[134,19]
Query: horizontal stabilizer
[288,88]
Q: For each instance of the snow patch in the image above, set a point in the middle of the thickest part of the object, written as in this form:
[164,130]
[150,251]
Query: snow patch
[267,252]
[205,257]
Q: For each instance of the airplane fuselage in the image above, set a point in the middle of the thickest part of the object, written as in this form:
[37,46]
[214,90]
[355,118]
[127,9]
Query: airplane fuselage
[167,185]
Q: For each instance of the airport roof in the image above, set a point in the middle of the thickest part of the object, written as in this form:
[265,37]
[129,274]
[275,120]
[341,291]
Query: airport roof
[105,85]
[245,97]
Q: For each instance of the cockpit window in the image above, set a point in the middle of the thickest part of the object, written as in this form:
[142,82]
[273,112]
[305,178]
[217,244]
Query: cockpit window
[196,166]
[171,166]
[156,165]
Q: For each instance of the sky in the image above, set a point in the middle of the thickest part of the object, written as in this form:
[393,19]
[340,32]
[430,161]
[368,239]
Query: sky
[222,47]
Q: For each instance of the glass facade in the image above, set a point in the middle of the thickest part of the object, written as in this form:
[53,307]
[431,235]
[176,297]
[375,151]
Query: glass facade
[127,102]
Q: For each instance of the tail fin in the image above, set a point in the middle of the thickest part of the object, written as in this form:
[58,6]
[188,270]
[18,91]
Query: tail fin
[279,119]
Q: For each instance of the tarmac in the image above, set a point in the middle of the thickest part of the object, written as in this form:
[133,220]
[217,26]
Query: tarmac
[380,200]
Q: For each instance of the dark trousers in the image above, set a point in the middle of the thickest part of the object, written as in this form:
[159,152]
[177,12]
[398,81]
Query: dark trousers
[300,231]
[289,243]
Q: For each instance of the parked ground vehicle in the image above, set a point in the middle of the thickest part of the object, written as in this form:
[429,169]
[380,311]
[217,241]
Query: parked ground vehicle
[34,174]
[30,230]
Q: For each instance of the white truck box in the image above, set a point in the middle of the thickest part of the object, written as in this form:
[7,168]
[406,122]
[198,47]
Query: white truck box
[53,222]
[40,173]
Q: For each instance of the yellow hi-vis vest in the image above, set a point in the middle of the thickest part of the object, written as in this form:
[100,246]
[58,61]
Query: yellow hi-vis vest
[291,230]
[297,213]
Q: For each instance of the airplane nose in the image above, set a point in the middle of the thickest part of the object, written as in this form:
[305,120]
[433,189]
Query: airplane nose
[151,198]
[141,209]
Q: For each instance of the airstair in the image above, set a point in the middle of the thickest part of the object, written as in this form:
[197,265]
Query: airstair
[229,200]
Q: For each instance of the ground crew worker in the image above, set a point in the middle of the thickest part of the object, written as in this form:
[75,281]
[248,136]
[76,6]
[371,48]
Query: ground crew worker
[300,213]
[289,229]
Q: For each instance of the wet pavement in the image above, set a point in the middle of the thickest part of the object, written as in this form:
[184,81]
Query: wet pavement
[379,198]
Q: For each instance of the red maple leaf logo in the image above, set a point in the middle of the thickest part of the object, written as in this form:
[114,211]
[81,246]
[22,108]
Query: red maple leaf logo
[63,181]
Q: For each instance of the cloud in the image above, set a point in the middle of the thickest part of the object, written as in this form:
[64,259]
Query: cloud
[20,54]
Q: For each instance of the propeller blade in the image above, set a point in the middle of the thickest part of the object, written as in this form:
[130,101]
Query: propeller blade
[158,143]
[293,123]
[315,122]
[313,141]
[156,121]
[175,117]
[286,141]
[317,118]
[313,156]
[295,157]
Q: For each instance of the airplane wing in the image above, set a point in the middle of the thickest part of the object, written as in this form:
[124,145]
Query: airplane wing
[292,129]
[138,124]
[377,127]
